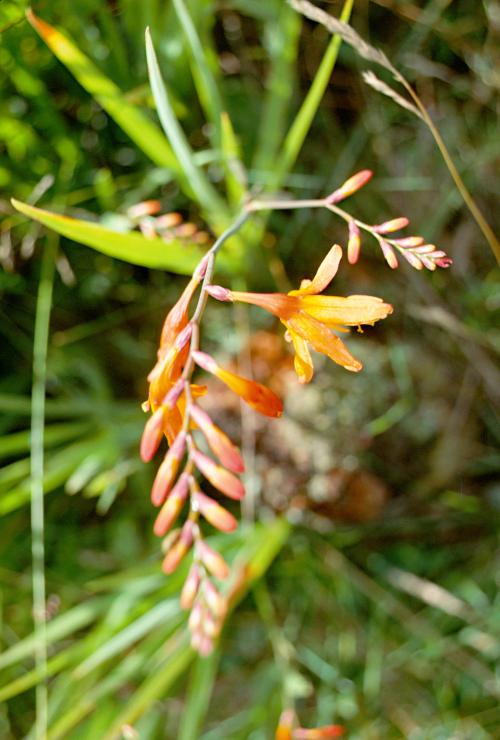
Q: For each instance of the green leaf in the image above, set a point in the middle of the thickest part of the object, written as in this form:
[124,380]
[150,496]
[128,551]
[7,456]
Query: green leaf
[143,132]
[201,684]
[203,190]
[175,256]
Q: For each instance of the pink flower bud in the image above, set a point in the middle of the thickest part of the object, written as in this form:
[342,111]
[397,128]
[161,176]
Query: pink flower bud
[180,548]
[354,243]
[205,361]
[215,602]
[413,260]
[410,241]
[429,264]
[172,507]
[174,394]
[350,186]
[218,476]
[218,292]
[152,435]
[212,561]
[201,268]
[213,512]
[190,588]
[425,249]
[168,470]
[395,224]
[444,262]
[219,442]
[205,647]
[389,254]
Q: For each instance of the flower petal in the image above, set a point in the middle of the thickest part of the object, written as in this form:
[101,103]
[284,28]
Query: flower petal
[325,274]
[218,476]
[219,443]
[349,311]
[302,361]
[323,340]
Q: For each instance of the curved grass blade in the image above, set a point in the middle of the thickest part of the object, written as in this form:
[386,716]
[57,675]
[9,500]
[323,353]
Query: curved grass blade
[143,132]
[155,253]
[205,193]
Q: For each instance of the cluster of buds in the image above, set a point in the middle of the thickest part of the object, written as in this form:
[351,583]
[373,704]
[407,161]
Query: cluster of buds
[311,320]
[177,415]
[288,729]
[413,248]
[147,218]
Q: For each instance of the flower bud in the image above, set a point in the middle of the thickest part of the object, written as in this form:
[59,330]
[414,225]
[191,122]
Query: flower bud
[395,224]
[172,507]
[152,435]
[212,561]
[168,470]
[190,588]
[218,476]
[180,548]
[213,512]
[413,259]
[354,243]
[389,254]
[220,444]
[215,602]
[218,292]
[410,241]
[205,361]
[350,186]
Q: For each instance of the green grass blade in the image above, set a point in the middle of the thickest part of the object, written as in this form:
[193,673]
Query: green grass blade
[205,193]
[133,248]
[206,86]
[19,442]
[302,123]
[143,132]
[200,689]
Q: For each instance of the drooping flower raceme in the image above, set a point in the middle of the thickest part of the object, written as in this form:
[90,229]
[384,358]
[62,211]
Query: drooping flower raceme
[309,317]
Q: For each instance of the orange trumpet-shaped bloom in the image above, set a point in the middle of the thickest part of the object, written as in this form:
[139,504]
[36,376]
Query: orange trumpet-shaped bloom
[309,317]
[255,394]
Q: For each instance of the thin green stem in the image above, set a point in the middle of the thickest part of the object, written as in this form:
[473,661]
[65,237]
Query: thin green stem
[42,322]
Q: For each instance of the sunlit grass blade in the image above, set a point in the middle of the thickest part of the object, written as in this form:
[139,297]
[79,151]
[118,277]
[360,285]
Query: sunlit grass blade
[201,67]
[174,256]
[203,190]
[19,442]
[143,132]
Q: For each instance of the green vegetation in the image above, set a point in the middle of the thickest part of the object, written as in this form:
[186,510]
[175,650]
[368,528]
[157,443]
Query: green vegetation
[369,587]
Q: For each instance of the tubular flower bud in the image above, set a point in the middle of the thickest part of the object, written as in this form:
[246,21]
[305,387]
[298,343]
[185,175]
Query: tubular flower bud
[168,470]
[152,435]
[350,186]
[196,617]
[218,476]
[410,241]
[389,254]
[179,549]
[172,506]
[212,561]
[308,317]
[219,443]
[215,602]
[190,588]
[218,292]
[354,243]
[395,224]
[146,208]
[256,395]
[414,261]
[177,317]
[213,512]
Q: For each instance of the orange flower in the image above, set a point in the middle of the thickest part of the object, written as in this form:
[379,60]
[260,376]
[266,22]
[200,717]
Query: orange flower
[308,316]
[256,395]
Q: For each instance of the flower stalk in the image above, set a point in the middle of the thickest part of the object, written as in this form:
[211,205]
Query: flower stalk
[311,319]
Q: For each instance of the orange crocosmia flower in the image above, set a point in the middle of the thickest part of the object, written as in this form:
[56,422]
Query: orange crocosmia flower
[256,395]
[309,317]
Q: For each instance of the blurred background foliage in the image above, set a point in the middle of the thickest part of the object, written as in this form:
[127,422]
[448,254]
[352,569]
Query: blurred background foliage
[381,610]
